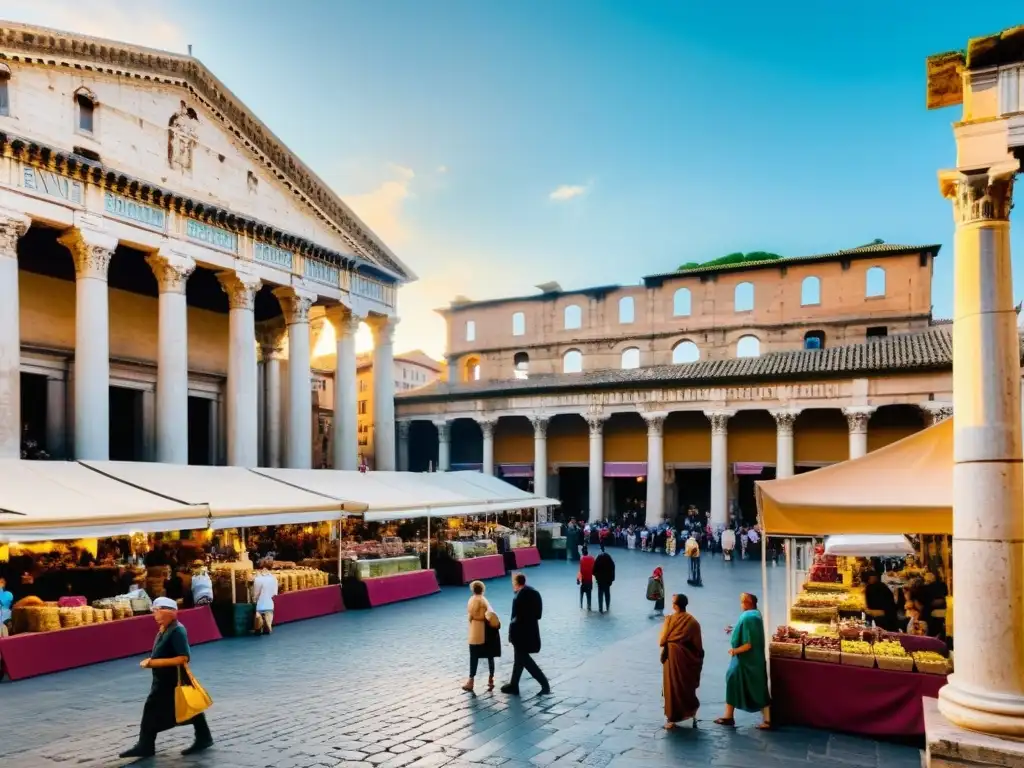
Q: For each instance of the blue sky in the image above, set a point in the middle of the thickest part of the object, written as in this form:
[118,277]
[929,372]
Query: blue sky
[501,144]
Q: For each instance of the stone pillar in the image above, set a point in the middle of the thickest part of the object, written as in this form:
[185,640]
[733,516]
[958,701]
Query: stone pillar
[12,227]
[272,350]
[56,417]
[172,272]
[444,446]
[540,455]
[857,417]
[655,466]
[213,434]
[784,420]
[403,445]
[384,392]
[719,466]
[935,411]
[346,396]
[487,427]
[298,433]
[595,423]
[986,692]
[148,408]
[92,253]
[241,385]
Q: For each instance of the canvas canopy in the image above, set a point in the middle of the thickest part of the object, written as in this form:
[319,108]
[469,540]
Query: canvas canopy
[906,487]
[868,546]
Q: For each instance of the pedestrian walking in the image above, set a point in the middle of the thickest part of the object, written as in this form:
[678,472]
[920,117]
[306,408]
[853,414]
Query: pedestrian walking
[484,637]
[746,681]
[604,575]
[728,544]
[656,591]
[524,635]
[682,659]
[264,590]
[168,661]
[585,577]
[693,552]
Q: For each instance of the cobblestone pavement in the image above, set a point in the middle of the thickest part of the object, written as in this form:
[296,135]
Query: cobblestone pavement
[380,689]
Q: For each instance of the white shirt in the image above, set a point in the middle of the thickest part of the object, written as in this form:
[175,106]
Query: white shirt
[264,589]
[202,586]
[728,539]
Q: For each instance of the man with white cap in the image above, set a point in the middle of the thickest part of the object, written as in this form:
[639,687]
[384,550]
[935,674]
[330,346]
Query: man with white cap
[170,653]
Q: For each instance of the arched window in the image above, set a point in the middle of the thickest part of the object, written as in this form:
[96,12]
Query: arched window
[630,358]
[518,324]
[85,110]
[814,340]
[810,291]
[572,361]
[743,299]
[748,346]
[681,303]
[626,312]
[875,282]
[573,317]
[471,369]
[5,95]
[522,365]
[685,352]
[470,330]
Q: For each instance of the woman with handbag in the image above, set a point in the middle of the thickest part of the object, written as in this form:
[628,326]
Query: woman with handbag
[168,703]
[484,635]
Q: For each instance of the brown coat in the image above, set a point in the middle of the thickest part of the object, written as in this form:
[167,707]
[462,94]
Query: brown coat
[477,612]
[683,661]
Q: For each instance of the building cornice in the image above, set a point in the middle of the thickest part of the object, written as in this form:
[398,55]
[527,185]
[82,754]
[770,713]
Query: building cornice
[46,47]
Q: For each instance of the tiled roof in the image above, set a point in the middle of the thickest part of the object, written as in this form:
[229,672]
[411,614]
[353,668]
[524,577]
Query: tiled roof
[873,249]
[931,349]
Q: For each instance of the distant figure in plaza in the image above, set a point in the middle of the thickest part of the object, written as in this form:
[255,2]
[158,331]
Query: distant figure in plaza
[585,577]
[746,681]
[170,654]
[524,635]
[728,543]
[880,603]
[604,575]
[670,543]
[202,584]
[693,552]
[572,539]
[264,590]
[682,659]
[645,541]
[933,598]
[6,605]
[484,638]
[656,591]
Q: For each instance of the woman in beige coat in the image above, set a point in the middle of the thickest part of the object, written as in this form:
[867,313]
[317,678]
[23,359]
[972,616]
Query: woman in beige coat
[484,639]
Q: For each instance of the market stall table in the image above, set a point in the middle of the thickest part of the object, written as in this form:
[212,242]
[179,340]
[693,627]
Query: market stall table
[381,590]
[522,557]
[40,653]
[480,568]
[307,604]
[855,700]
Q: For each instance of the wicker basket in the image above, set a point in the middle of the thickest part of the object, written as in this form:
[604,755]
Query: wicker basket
[786,650]
[895,663]
[933,667]
[825,655]
[857,660]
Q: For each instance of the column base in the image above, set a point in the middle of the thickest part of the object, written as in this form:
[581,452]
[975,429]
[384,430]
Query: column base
[950,746]
[982,711]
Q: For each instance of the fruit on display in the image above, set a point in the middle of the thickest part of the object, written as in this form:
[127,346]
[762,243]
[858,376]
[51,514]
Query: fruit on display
[786,634]
[929,657]
[857,647]
[824,586]
[853,601]
[826,643]
[820,600]
[889,648]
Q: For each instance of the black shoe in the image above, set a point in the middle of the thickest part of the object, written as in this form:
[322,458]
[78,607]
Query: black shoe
[545,691]
[138,751]
[511,690]
[197,746]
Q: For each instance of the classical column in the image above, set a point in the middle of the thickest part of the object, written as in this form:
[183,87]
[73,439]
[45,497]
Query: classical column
[213,433]
[12,227]
[540,455]
[403,445]
[241,385]
[595,424]
[719,466]
[986,692]
[172,272]
[148,422]
[92,253]
[444,446]
[784,420]
[857,418]
[384,392]
[346,396]
[935,411]
[56,417]
[655,466]
[271,343]
[487,427]
[298,433]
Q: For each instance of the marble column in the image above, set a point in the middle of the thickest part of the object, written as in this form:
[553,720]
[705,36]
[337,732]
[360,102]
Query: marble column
[444,446]
[785,418]
[936,411]
[857,418]
[719,466]
[986,691]
[271,343]
[487,427]
[298,431]
[91,253]
[403,445]
[595,425]
[148,408]
[241,385]
[655,466]
[384,392]
[56,417]
[346,396]
[213,433]
[172,272]
[12,227]
[540,455]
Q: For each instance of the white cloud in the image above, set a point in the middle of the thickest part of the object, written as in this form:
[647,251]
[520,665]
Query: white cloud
[383,207]
[139,22]
[567,192]
[442,169]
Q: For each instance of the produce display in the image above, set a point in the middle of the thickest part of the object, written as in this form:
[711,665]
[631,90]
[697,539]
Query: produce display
[890,654]
[931,663]
[824,586]
[34,615]
[822,648]
[787,642]
[850,643]
[463,550]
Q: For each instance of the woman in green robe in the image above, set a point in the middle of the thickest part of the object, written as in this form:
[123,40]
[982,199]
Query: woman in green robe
[746,682]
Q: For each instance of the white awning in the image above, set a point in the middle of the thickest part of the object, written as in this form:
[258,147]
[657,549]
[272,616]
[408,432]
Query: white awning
[865,545]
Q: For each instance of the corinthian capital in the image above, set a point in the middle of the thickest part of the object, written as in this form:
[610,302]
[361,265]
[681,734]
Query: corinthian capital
[487,426]
[984,196]
[785,418]
[719,421]
[857,418]
[540,426]
[240,288]
[383,328]
[172,270]
[12,227]
[934,412]
[91,252]
[444,431]
[655,423]
[295,304]
[345,321]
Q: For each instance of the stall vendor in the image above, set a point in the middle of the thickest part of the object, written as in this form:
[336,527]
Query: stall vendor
[881,605]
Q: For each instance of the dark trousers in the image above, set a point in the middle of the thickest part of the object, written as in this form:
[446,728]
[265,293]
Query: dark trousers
[522,660]
[475,654]
[604,597]
[147,737]
[586,590]
[695,570]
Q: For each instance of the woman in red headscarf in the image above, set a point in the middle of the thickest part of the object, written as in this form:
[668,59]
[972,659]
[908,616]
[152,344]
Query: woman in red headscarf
[656,592]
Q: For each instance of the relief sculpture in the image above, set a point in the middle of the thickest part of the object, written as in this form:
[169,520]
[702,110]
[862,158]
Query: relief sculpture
[182,137]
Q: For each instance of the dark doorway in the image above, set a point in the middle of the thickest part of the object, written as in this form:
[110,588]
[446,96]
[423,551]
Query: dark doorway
[574,493]
[745,497]
[33,412]
[693,487]
[467,442]
[125,424]
[629,499]
[200,411]
[422,446]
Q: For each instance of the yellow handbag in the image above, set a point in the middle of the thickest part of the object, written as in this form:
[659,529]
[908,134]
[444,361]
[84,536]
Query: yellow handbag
[190,698]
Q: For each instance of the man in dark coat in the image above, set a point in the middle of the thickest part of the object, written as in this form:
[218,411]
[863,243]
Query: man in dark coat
[524,635]
[604,575]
